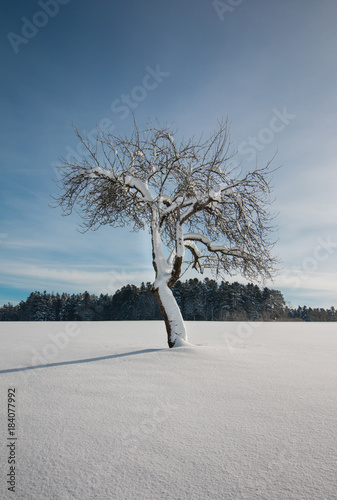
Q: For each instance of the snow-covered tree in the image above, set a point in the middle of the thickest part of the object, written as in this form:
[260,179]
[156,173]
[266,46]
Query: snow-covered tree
[199,209]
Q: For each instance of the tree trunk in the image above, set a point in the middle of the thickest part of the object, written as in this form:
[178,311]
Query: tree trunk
[170,311]
[167,273]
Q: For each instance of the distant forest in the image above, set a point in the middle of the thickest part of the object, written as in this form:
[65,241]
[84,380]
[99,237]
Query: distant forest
[198,301]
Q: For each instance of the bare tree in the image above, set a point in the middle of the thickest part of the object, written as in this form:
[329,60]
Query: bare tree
[194,202]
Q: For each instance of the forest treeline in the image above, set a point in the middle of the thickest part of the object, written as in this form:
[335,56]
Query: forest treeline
[198,301]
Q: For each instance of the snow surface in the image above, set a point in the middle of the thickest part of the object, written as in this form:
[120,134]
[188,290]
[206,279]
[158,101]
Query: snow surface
[247,412]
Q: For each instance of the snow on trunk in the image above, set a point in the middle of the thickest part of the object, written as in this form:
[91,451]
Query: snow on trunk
[175,327]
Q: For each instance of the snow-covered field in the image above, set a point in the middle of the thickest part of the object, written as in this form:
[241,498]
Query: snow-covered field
[248,412]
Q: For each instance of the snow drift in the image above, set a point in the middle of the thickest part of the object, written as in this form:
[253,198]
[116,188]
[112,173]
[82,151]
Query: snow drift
[109,412]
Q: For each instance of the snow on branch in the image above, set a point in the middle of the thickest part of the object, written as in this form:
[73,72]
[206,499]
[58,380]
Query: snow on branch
[188,186]
[188,195]
[223,249]
[140,186]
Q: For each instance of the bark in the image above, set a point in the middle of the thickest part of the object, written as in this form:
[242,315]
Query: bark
[176,271]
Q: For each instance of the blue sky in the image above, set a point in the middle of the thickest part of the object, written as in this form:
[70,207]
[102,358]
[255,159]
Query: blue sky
[269,66]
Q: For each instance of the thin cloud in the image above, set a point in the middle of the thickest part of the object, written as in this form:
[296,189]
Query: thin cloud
[65,279]
[16,244]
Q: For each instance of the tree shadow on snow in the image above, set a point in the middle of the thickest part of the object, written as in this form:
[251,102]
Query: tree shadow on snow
[79,361]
